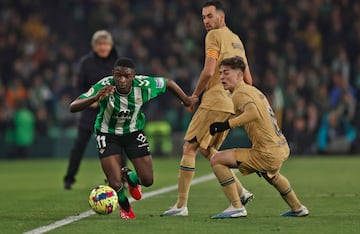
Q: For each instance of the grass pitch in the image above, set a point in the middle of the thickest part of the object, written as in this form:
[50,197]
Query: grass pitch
[32,196]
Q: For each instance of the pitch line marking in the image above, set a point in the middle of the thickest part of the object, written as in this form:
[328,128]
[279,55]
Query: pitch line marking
[88,213]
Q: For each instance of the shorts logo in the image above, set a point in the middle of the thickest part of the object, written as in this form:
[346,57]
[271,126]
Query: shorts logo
[141,137]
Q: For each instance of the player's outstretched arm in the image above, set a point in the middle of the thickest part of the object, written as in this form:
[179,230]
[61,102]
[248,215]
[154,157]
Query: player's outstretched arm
[80,104]
[250,113]
[178,92]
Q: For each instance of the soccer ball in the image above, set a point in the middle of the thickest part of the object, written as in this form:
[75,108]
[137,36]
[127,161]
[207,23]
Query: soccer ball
[103,199]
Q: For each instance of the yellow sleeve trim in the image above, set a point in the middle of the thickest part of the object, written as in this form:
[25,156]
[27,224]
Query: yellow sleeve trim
[212,53]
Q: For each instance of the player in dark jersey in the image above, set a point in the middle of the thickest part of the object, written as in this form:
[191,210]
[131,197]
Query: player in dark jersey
[269,146]
[119,126]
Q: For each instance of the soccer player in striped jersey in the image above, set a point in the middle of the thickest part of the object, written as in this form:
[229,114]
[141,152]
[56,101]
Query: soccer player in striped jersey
[269,146]
[119,126]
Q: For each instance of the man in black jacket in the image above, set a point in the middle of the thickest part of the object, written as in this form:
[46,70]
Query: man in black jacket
[95,65]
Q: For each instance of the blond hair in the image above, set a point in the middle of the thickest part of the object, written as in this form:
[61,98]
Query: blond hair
[101,35]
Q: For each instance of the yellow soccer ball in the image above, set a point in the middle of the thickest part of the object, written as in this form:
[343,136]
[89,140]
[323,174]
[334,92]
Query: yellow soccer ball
[103,199]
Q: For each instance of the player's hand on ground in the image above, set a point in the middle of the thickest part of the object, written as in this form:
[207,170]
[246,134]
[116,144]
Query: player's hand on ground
[219,127]
[104,92]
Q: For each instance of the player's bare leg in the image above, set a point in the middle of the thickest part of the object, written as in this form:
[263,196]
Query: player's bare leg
[144,170]
[143,175]
[112,168]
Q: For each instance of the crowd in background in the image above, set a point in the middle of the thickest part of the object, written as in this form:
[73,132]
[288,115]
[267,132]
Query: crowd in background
[304,54]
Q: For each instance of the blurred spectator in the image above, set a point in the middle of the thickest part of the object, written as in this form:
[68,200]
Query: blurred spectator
[23,131]
[356,78]
[34,28]
[300,139]
[343,96]
[40,95]
[8,51]
[336,135]
[341,63]
[312,114]
[301,128]
[321,99]
[4,120]
[274,93]
[65,118]
[16,93]
[41,122]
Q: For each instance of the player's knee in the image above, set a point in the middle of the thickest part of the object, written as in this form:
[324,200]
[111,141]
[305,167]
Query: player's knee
[271,180]
[115,183]
[214,161]
[189,148]
[147,182]
[205,153]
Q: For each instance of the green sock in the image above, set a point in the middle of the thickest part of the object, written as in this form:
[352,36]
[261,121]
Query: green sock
[121,194]
[134,178]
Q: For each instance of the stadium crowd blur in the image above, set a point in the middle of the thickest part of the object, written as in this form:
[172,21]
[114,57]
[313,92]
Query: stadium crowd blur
[304,54]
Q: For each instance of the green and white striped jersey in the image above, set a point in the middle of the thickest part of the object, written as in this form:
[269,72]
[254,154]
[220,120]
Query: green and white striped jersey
[121,114]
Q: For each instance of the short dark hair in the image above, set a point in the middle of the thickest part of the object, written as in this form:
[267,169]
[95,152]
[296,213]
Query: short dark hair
[124,62]
[236,62]
[217,4]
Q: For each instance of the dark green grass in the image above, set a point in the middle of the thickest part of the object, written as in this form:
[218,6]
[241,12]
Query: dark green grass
[32,195]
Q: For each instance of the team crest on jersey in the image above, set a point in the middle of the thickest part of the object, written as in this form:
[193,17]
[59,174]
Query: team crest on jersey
[159,83]
[89,92]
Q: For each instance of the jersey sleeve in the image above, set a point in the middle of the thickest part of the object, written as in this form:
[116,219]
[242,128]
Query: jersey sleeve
[153,85]
[96,87]
[212,45]
[240,100]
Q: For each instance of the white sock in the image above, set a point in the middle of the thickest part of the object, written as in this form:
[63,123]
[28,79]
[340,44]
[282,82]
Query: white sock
[244,191]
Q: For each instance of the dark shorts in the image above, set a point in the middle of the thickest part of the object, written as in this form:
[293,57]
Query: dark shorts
[135,144]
